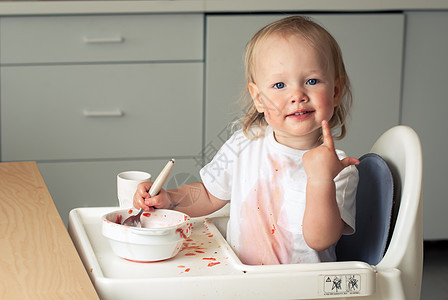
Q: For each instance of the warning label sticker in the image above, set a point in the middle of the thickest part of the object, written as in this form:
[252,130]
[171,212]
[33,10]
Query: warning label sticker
[343,284]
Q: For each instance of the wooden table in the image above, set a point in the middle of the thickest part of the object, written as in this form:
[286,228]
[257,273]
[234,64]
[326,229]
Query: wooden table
[37,257]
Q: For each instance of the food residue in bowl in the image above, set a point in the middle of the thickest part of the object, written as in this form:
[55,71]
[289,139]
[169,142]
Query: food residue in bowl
[155,221]
[118,220]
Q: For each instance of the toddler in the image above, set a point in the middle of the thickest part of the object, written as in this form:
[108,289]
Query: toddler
[292,194]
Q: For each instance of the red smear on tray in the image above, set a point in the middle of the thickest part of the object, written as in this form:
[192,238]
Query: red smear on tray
[209,258]
[146,214]
[213,264]
[130,211]
[192,246]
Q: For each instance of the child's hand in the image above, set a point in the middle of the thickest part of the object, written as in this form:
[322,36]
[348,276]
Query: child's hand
[322,223]
[143,200]
[322,163]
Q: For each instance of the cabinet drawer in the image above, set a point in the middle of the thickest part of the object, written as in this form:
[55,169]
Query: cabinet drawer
[101,111]
[94,184]
[58,39]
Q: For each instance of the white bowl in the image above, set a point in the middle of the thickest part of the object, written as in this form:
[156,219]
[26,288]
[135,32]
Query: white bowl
[161,236]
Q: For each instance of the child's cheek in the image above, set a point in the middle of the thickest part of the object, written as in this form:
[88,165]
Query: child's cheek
[270,112]
[267,115]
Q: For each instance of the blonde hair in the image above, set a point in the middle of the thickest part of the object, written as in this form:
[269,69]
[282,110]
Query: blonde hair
[318,37]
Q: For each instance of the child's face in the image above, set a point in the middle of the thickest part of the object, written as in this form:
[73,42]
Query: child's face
[295,89]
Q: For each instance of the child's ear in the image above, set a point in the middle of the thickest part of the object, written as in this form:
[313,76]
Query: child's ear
[255,95]
[337,94]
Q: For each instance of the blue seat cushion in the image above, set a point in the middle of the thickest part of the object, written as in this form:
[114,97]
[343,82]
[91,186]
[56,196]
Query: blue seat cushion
[374,203]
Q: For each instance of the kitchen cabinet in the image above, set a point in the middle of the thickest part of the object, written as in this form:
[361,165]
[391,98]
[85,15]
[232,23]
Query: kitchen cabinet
[101,38]
[425,103]
[91,96]
[372,46]
[101,111]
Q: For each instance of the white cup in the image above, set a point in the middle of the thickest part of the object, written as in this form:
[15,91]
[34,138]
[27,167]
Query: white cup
[127,183]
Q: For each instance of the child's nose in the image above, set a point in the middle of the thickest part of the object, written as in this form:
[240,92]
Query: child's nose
[299,97]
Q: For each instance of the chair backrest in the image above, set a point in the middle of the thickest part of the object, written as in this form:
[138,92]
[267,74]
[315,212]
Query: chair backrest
[401,267]
[400,146]
[374,200]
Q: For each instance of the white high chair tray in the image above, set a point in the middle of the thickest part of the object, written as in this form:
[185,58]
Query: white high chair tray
[207,268]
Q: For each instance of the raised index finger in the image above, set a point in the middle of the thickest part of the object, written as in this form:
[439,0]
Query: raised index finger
[326,135]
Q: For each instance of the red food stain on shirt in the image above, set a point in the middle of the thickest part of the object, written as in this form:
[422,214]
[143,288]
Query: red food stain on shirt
[261,214]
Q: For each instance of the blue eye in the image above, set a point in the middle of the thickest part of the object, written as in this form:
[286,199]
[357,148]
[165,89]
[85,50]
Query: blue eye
[312,81]
[279,85]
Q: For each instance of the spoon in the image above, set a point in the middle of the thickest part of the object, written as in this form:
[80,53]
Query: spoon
[134,221]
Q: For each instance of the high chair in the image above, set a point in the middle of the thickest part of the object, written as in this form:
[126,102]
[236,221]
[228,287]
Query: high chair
[399,270]
[385,260]
[393,270]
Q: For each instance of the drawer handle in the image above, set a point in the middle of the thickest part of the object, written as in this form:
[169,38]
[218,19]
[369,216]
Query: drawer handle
[103,113]
[103,40]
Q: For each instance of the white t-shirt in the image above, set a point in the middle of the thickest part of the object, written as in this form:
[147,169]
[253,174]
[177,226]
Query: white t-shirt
[266,184]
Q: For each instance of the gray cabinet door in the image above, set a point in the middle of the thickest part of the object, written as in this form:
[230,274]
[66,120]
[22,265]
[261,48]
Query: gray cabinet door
[425,103]
[101,111]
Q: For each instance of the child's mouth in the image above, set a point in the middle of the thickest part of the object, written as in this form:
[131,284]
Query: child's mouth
[298,114]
